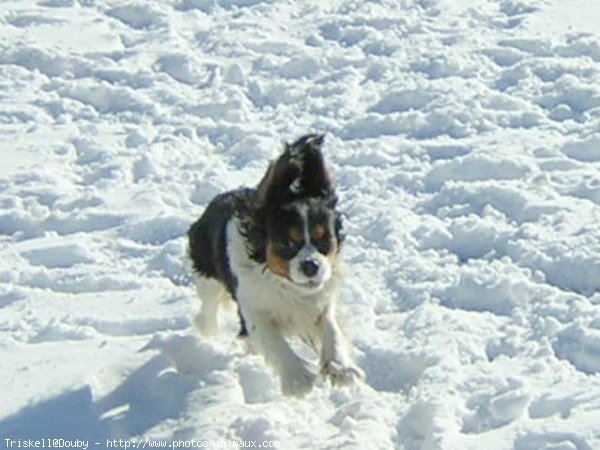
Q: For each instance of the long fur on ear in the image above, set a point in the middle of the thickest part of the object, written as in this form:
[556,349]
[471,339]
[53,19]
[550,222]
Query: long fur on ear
[298,173]
[272,190]
[315,180]
[275,186]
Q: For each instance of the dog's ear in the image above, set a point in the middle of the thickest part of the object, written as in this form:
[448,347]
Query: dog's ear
[307,142]
[316,181]
[265,183]
[299,172]
[276,187]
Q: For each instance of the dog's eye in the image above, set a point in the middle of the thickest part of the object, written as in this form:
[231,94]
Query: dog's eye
[323,245]
[288,247]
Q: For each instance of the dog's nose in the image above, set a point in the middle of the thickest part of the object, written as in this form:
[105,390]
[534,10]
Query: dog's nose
[310,267]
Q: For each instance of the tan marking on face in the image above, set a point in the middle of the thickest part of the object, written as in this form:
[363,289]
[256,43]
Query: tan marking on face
[276,264]
[319,232]
[296,235]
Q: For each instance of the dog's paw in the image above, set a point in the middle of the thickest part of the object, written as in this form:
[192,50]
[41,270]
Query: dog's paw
[297,381]
[341,374]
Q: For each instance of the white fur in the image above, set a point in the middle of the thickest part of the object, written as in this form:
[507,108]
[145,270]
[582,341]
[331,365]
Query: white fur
[212,293]
[275,308]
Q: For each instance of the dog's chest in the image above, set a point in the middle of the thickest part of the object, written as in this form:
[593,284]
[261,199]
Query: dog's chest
[291,313]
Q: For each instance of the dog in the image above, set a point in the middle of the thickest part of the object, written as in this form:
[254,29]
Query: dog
[274,250]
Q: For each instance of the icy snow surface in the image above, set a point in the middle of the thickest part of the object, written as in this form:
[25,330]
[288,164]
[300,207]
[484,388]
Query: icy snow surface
[465,140]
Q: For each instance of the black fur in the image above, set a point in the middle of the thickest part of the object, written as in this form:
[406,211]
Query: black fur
[297,174]
[207,236]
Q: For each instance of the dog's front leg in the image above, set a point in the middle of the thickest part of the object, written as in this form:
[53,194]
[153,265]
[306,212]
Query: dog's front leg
[295,375]
[336,363]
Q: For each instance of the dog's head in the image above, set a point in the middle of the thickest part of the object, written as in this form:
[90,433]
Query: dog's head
[296,230]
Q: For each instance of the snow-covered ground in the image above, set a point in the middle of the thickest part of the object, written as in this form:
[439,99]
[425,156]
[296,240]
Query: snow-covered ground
[465,140]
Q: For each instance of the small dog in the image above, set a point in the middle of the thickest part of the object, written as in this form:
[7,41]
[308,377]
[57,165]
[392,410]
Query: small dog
[274,250]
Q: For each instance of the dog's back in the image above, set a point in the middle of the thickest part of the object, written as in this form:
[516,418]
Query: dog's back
[208,240]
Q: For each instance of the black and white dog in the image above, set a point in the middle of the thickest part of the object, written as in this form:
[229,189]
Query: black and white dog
[274,250]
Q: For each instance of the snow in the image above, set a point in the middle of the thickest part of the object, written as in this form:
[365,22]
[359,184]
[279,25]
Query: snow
[463,136]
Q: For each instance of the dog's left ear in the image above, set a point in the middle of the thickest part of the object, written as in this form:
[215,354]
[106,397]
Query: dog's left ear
[315,180]
[309,141]
[276,185]
[299,172]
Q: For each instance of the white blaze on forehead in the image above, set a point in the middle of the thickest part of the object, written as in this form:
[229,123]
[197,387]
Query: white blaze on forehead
[302,209]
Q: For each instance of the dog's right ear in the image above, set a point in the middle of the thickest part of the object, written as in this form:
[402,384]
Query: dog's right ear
[299,172]
[264,184]
[276,187]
